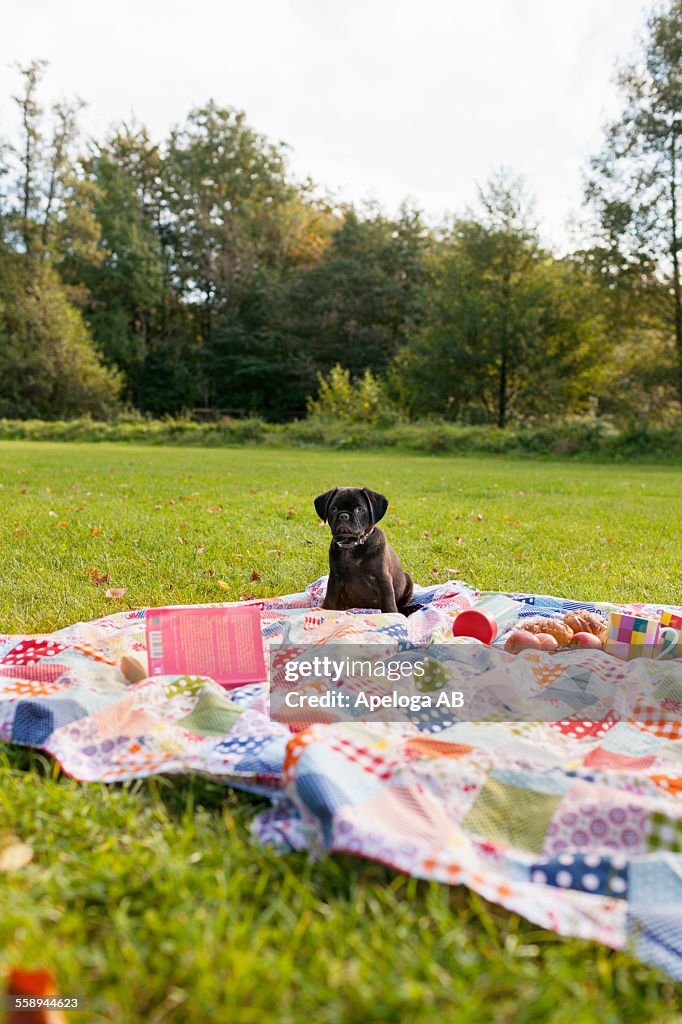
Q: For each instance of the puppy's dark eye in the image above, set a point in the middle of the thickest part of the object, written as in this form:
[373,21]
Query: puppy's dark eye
[359,509]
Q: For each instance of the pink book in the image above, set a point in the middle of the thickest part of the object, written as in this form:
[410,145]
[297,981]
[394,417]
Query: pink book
[223,643]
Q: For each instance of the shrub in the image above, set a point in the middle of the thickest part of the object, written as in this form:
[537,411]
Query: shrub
[49,366]
[363,400]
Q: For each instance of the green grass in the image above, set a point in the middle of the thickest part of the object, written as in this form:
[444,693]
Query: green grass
[151,900]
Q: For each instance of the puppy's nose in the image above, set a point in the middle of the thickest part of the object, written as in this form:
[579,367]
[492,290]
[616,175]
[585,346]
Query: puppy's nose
[344,515]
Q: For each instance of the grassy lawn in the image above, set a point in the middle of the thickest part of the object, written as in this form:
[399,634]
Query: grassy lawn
[151,900]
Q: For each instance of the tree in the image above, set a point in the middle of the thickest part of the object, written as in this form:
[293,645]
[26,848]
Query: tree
[511,332]
[224,187]
[49,367]
[635,185]
[357,305]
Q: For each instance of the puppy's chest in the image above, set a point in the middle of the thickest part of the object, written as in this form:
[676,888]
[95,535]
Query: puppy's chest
[360,585]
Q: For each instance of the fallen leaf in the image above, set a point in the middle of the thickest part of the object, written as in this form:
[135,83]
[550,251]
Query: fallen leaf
[15,857]
[115,592]
[172,501]
[97,577]
[274,551]
[247,597]
[426,534]
[255,575]
[181,540]
[19,531]
[182,526]
[223,585]
[157,507]
[63,523]
[94,531]
[212,509]
[479,517]
[210,573]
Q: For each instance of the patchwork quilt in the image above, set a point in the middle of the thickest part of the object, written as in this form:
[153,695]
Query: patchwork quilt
[575,824]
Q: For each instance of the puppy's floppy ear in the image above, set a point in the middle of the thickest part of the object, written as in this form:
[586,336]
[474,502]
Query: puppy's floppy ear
[322,503]
[378,504]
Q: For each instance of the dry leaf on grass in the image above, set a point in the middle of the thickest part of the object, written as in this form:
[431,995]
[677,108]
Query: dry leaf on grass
[97,577]
[223,585]
[255,575]
[15,857]
[115,592]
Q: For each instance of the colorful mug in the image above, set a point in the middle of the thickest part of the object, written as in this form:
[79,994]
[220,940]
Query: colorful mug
[631,636]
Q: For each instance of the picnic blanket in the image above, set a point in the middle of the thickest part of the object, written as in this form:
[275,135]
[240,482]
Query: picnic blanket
[575,824]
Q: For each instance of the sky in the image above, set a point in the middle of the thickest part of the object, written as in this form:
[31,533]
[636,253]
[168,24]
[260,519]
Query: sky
[377,99]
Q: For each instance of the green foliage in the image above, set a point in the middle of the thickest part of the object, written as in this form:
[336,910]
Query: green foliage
[356,305]
[364,400]
[636,181]
[587,438]
[48,364]
[511,334]
[214,282]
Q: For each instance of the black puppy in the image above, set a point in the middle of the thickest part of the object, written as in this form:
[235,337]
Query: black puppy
[364,570]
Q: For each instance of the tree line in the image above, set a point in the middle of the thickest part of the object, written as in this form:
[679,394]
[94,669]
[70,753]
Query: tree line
[197,273]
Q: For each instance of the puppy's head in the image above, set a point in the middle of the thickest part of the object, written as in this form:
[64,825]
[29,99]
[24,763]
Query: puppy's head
[351,513]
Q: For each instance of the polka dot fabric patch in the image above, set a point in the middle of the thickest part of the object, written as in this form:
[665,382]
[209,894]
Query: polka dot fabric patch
[587,872]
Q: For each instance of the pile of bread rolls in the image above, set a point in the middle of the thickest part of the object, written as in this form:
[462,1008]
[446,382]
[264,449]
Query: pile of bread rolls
[580,628]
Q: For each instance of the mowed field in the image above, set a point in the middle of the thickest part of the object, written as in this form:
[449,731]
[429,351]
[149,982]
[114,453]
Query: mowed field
[151,900]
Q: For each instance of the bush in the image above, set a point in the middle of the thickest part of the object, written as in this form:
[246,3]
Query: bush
[363,400]
[573,439]
[49,366]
